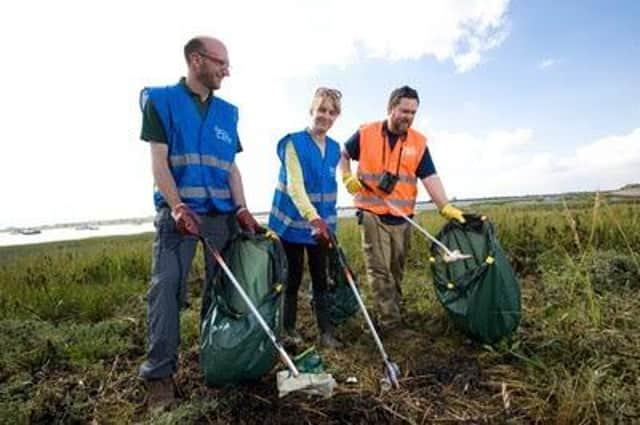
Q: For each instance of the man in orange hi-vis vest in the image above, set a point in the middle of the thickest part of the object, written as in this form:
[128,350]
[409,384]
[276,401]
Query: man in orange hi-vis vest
[391,158]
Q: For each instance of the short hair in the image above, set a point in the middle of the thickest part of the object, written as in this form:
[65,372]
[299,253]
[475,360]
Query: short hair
[402,92]
[194,45]
[332,95]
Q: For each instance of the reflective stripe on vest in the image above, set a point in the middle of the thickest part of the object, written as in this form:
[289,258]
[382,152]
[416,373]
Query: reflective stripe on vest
[374,146]
[203,192]
[313,197]
[195,159]
[374,200]
[299,224]
[374,178]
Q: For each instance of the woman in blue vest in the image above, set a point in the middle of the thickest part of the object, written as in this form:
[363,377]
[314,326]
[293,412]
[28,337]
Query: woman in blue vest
[304,209]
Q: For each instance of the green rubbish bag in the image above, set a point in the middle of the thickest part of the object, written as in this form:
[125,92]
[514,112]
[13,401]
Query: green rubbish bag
[482,294]
[233,346]
[342,301]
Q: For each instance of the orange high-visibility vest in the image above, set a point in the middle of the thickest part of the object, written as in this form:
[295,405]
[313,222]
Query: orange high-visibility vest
[376,157]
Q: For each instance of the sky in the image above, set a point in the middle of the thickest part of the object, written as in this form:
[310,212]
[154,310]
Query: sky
[517,97]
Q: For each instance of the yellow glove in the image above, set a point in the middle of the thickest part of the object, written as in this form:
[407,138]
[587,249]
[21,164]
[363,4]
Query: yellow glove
[351,182]
[452,213]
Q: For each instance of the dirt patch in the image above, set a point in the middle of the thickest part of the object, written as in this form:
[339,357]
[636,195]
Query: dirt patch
[460,373]
[434,388]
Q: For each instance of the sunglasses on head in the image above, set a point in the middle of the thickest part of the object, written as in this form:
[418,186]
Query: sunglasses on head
[331,92]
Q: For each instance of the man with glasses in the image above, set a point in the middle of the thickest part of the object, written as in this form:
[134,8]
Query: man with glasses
[193,137]
[391,158]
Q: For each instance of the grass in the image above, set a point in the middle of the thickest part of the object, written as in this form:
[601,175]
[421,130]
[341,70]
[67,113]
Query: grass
[72,331]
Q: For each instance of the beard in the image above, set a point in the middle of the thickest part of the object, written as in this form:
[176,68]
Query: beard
[209,80]
[400,125]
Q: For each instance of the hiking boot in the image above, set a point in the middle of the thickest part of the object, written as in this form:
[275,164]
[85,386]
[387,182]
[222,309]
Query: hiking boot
[162,394]
[292,337]
[327,340]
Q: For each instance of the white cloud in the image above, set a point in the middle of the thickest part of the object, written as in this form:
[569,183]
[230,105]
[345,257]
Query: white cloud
[611,153]
[300,36]
[547,63]
[74,70]
[510,162]
[478,40]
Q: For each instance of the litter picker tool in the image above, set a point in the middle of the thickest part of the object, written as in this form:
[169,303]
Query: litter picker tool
[391,369]
[448,255]
[287,380]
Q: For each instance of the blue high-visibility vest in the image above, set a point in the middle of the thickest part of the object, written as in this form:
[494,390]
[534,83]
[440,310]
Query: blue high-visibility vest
[201,148]
[319,175]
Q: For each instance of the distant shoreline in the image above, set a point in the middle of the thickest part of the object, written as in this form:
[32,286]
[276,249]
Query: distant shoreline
[628,191]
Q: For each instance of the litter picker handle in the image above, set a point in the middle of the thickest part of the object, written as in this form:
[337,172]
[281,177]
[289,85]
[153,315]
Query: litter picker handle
[365,185]
[274,340]
[390,367]
[351,280]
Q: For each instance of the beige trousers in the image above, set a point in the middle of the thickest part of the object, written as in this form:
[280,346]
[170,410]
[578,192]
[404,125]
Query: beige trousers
[385,249]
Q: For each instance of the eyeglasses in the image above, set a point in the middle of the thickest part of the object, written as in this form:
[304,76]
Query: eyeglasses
[327,91]
[215,60]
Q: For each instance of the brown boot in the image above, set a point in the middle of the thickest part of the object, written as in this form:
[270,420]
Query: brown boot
[162,394]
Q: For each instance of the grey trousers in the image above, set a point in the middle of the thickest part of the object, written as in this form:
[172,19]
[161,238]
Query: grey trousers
[172,256]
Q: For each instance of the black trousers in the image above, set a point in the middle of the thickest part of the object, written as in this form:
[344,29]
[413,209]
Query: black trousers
[317,261]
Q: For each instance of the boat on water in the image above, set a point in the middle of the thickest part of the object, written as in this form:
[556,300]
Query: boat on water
[87,227]
[30,231]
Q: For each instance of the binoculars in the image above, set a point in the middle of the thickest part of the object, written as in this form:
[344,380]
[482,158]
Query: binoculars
[388,182]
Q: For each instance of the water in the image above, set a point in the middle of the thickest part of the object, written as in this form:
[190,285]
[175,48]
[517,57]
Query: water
[71,233]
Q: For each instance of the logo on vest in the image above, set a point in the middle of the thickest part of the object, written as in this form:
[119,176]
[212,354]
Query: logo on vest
[221,134]
[410,151]
[332,171]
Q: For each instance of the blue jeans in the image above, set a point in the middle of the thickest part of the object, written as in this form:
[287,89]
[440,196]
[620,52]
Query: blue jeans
[172,256]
